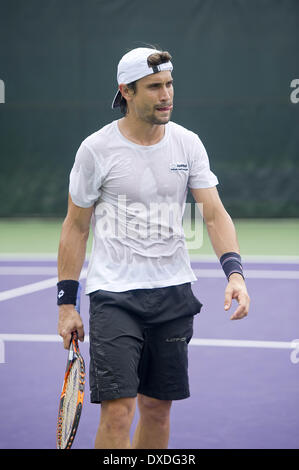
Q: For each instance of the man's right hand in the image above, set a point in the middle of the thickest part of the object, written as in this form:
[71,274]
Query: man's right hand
[68,322]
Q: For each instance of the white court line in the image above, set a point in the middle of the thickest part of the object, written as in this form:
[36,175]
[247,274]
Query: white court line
[240,343]
[27,270]
[271,259]
[35,287]
[28,289]
[201,273]
[249,274]
[267,259]
[28,256]
[31,338]
[236,343]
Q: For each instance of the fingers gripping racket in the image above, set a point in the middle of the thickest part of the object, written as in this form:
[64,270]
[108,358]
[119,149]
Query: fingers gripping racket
[72,394]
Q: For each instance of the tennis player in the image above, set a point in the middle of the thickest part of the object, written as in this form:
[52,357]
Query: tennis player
[130,181]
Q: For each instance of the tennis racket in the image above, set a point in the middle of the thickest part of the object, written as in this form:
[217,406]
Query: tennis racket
[72,394]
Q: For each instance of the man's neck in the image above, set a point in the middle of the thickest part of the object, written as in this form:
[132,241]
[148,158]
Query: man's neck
[141,132]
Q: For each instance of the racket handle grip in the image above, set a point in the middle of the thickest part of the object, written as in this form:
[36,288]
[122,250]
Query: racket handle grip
[74,336]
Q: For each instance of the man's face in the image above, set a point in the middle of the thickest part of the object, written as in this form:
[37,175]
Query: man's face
[153,100]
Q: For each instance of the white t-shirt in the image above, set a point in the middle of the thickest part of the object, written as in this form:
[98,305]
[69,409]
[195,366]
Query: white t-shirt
[139,194]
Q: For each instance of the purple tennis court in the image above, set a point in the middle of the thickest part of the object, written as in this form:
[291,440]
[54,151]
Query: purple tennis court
[244,375]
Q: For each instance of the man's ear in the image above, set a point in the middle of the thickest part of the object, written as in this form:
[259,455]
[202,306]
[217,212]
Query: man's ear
[125,91]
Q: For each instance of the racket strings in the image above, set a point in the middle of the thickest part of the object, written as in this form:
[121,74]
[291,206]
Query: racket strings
[70,401]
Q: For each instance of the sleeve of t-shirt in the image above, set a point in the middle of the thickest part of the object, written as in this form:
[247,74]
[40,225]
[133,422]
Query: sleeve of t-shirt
[200,175]
[85,178]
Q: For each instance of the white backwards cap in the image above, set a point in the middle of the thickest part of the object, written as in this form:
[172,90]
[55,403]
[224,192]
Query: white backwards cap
[133,66]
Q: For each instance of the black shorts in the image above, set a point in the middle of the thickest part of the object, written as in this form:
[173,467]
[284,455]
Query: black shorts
[139,342]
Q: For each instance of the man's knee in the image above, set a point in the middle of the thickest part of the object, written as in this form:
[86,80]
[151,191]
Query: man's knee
[152,408]
[118,413]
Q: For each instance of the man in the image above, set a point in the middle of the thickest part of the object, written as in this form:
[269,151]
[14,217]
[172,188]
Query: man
[139,276]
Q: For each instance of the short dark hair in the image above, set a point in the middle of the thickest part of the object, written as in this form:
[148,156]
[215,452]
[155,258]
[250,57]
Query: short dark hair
[156,58]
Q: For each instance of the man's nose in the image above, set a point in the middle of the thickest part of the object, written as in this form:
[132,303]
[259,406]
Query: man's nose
[165,94]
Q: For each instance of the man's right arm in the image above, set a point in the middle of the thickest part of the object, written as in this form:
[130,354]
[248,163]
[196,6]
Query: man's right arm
[71,256]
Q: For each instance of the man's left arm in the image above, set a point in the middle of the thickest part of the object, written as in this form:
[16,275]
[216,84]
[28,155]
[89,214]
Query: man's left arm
[223,237]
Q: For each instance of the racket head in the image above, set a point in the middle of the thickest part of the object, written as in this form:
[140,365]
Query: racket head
[71,398]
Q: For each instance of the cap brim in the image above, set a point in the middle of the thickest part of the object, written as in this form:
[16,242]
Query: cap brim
[117,100]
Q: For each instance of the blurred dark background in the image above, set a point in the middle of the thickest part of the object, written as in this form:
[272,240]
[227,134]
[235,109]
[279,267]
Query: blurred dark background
[234,61]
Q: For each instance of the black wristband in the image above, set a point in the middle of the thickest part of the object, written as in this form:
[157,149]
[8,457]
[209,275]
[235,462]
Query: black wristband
[231,263]
[67,292]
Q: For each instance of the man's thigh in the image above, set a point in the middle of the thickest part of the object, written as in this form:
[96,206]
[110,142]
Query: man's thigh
[163,369]
[116,342]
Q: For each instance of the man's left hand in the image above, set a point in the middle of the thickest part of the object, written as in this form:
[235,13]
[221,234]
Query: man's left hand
[236,289]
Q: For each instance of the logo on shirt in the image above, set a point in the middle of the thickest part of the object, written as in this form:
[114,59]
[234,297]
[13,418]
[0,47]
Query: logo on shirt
[179,166]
